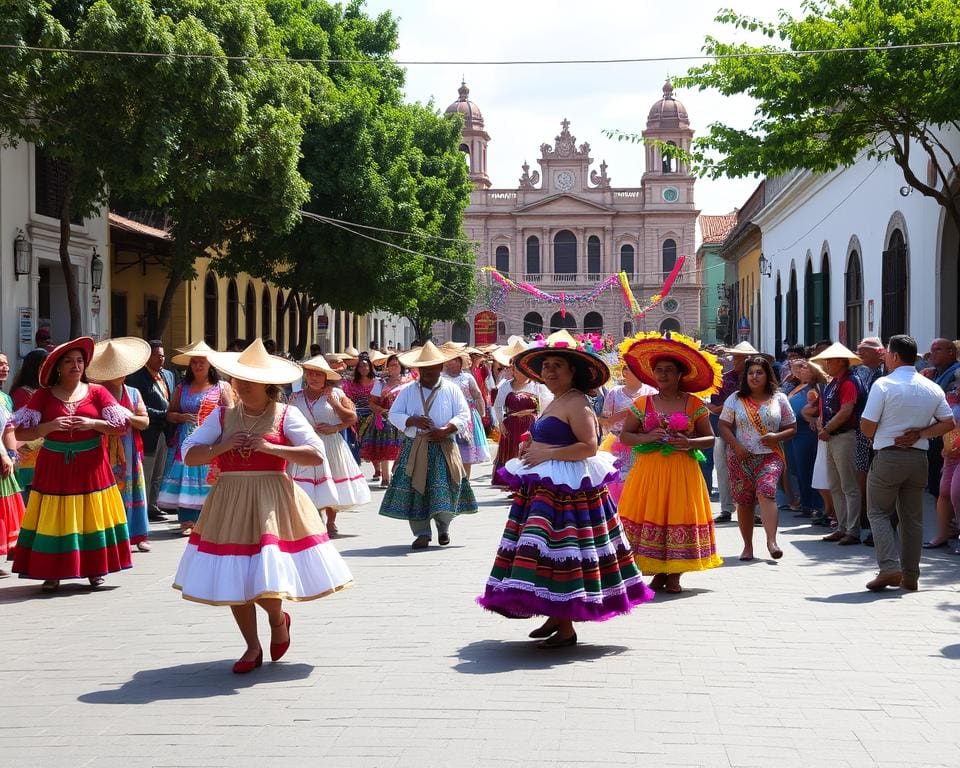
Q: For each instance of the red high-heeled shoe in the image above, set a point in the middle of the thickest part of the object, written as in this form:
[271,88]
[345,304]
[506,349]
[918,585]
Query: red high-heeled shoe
[278,649]
[242,667]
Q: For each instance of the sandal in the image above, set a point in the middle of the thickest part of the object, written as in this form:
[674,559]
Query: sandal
[658,582]
[95,581]
[50,585]
[672,586]
[143,546]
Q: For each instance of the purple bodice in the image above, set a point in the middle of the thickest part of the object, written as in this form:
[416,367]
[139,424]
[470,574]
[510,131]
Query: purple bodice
[552,431]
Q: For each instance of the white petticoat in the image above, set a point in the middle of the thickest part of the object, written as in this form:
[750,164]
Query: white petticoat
[569,476]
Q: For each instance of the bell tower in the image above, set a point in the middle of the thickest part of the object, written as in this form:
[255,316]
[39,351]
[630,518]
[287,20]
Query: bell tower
[475,138]
[667,179]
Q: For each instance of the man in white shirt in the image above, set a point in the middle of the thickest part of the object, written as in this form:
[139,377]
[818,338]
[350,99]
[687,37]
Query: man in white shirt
[429,481]
[903,412]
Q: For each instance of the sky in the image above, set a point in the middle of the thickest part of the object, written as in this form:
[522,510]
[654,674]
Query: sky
[522,106]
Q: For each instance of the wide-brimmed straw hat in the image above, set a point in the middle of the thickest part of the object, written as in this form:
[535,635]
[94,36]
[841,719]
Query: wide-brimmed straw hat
[319,363]
[700,373]
[427,355]
[837,351]
[591,369]
[83,343]
[116,358]
[377,358]
[487,349]
[504,355]
[351,353]
[187,353]
[743,348]
[256,364]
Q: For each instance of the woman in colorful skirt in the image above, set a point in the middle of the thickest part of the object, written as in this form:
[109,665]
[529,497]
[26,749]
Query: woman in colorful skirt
[25,383]
[754,422]
[358,388]
[519,402]
[337,483]
[382,441]
[74,526]
[472,442]
[665,505]
[184,487]
[11,503]
[259,540]
[114,360]
[563,554]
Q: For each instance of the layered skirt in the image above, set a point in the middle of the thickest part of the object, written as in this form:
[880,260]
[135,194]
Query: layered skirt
[473,445]
[11,513]
[379,440]
[511,431]
[402,501]
[665,508]
[336,484]
[184,488]
[259,536]
[563,552]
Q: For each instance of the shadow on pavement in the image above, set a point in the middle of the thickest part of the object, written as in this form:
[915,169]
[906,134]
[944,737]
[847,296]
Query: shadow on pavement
[30,590]
[859,598]
[491,657]
[203,680]
[396,550]
[951,651]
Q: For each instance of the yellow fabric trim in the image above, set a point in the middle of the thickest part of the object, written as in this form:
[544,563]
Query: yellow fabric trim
[649,566]
[80,513]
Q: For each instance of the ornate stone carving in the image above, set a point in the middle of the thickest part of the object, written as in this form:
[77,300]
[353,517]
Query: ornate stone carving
[600,180]
[565,145]
[529,180]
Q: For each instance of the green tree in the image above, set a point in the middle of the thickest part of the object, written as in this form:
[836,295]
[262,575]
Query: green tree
[822,111]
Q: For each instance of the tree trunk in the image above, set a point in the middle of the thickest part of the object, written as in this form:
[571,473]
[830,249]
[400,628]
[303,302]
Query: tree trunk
[174,281]
[73,298]
[305,312]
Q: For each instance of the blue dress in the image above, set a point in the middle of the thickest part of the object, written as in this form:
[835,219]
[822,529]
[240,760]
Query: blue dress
[801,452]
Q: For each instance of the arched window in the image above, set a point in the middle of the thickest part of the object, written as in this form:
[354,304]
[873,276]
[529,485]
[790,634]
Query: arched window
[594,258]
[233,311]
[853,299]
[894,287]
[557,322]
[627,263]
[461,332]
[825,294]
[266,313]
[792,307]
[627,328]
[670,324]
[565,255]
[668,162]
[533,257]
[250,314]
[211,310]
[778,318]
[812,306]
[593,323]
[293,325]
[532,324]
[466,154]
[669,256]
[503,259]
[280,314]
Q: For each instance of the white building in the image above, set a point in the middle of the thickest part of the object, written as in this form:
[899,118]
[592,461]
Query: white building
[31,188]
[856,253]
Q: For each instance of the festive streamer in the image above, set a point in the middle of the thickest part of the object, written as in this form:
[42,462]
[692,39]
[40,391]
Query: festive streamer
[505,285]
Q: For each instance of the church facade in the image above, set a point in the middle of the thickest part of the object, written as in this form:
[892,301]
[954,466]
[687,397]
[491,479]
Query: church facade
[566,227]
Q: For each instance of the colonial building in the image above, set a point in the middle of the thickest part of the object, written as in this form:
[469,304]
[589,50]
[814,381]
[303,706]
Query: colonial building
[742,249]
[565,227]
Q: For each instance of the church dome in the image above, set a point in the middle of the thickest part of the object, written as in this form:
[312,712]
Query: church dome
[668,112]
[470,111]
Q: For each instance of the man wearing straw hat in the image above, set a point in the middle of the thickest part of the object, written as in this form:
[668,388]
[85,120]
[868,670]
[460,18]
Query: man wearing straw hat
[429,481]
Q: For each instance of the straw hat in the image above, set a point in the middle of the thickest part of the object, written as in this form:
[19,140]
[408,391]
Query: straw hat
[427,355]
[487,349]
[197,349]
[377,358]
[504,355]
[351,353]
[83,343]
[837,351]
[256,364]
[116,358]
[449,346]
[319,363]
[743,348]
[700,372]
[592,371]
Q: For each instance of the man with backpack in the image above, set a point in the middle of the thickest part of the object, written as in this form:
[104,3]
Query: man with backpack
[840,408]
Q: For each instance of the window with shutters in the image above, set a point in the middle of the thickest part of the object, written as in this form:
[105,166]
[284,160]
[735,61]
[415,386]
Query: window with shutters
[853,299]
[894,287]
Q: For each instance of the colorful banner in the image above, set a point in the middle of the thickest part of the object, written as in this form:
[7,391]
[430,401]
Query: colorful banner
[505,284]
[485,328]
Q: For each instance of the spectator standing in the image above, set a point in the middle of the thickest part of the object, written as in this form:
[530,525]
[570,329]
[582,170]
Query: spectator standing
[871,351]
[945,372]
[903,411]
[155,384]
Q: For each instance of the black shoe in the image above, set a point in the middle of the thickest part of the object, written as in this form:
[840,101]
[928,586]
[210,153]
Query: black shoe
[421,542]
[757,520]
[723,517]
[543,631]
[443,539]
[156,516]
[557,642]
[868,540]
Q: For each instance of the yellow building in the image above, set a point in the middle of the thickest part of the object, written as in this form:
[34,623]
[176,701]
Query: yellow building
[743,250]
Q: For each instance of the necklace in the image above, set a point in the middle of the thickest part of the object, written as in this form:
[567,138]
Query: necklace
[249,429]
[555,401]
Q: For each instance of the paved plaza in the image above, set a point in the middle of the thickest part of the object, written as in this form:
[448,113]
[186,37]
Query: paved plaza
[787,663]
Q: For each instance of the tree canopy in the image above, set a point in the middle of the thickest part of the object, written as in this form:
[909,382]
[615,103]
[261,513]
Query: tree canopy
[824,110]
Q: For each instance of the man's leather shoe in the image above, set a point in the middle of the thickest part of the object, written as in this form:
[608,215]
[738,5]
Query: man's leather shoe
[443,539]
[421,542]
[883,580]
[835,536]
[909,582]
[156,516]
[723,517]
[849,539]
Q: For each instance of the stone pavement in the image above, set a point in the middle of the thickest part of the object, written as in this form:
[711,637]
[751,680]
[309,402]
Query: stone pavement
[787,663]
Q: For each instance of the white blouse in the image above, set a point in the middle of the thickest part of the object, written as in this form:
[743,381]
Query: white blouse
[296,429]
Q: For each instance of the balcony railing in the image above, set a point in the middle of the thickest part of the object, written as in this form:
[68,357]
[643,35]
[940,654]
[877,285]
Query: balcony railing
[564,279]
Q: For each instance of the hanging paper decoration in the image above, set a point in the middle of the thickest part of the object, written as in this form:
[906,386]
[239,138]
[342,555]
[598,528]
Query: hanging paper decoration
[505,285]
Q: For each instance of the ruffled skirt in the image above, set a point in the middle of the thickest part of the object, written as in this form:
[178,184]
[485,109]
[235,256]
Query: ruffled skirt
[259,536]
[441,497]
[336,484]
[184,488]
[563,552]
[11,513]
[379,440]
[473,445]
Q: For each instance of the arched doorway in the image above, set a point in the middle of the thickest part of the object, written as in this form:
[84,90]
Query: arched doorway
[853,299]
[949,271]
[503,259]
[792,307]
[280,314]
[669,256]
[778,318]
[266,313]
[557,322]
[627,262]
[233,312]
[532,324]
[825,294]
[250,314]
[565,256]
[461,332]
[593,323]
[894,287]
[293,325]
[211,310]
[670,324]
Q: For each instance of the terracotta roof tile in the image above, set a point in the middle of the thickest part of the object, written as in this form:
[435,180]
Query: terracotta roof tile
[129,225]
[714,229]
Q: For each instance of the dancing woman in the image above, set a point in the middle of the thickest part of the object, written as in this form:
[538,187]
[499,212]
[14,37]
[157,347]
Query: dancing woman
[472,442]
[563,554]
[382,441]
[258,540]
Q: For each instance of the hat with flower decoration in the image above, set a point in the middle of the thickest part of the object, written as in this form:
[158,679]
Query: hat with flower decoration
[591,370]
[700,373]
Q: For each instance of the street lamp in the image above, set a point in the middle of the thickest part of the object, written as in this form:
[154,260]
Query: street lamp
[96,270]
[22,255]
[766,266]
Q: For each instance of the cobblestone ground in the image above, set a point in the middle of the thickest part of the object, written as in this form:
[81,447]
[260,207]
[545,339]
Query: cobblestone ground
[788,663]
